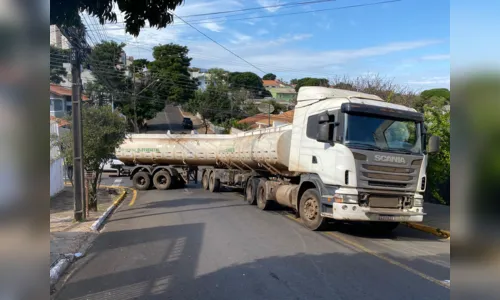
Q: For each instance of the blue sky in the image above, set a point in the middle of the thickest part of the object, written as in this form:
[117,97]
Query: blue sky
[406,40]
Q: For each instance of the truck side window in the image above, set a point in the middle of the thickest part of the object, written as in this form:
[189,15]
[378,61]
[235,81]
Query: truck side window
[312,126]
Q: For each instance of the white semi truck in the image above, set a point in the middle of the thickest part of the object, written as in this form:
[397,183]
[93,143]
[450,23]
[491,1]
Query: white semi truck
[347,156]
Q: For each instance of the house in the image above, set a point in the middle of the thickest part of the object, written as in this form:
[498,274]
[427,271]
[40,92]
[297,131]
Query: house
[272,84]
[202,77]
[60,100]
[283,94]
[262,120]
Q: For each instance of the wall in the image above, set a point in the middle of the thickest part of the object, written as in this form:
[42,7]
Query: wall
[56,165]
[214,128]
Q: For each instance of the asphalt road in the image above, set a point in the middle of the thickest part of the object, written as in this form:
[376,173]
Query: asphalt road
[168,119]
[192,244]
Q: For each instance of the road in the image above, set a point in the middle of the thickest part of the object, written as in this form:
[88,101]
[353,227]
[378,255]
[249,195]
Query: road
[168,119]
[192,244]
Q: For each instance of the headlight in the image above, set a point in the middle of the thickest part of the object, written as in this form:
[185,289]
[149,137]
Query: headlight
[341,198]
[418,201]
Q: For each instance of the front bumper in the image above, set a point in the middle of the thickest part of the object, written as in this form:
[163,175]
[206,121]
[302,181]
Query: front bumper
[354,212]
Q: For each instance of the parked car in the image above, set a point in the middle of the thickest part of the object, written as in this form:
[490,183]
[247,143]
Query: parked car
[187,123]
[112,165]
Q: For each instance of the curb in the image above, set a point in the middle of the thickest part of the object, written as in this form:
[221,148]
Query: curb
[62,264]
[103,217]
[435,231]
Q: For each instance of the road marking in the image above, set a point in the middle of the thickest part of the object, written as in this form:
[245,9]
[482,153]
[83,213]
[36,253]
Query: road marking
[362,248]
[117,182]
[134,196]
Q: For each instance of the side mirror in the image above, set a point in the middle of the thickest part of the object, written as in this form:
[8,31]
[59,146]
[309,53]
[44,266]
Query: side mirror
[325,128]
[433,144]
[324,133]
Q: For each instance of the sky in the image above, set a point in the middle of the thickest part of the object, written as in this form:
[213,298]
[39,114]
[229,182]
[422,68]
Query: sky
[407,41]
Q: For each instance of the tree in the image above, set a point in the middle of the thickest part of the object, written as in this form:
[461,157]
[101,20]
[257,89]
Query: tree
[171,67]
[437,119]
[248,81]
[431,96]
[137,13]
[294,81]
[308,81]
[269,76]
[57,58]
[103,132]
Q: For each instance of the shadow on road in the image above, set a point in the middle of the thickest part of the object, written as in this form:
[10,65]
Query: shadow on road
[163,263]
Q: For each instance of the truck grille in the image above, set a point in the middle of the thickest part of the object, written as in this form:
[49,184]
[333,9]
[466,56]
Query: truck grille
[380,201]
[381,176]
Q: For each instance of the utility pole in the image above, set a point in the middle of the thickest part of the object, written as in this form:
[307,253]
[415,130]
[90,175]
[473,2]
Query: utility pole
[269,115]
[79,192]
[134,98]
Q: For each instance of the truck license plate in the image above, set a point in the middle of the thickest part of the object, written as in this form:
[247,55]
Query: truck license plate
[390,218]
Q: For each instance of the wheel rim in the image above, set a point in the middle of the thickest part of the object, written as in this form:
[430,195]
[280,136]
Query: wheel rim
[310,209]
[261,196]
[142,180]
[162,179]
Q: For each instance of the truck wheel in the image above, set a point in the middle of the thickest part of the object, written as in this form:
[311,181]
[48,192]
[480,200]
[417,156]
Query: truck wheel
[162,180]
[214,183]
[384,227]
[205,180]
[141,181]
[310,210]
[250,191]
[262,202]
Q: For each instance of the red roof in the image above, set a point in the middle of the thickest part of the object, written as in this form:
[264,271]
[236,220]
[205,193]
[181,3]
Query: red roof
[264,118]
[270,83]
[64,91]
[60,122]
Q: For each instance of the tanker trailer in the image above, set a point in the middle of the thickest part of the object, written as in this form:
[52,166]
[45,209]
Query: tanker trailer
[346,156]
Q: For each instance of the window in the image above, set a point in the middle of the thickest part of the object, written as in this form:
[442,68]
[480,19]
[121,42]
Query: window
[57,105]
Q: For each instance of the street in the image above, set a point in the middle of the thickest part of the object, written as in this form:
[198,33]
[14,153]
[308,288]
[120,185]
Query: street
[168,119]
[192,244]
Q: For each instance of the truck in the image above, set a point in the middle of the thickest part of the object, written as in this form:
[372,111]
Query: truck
[347,156]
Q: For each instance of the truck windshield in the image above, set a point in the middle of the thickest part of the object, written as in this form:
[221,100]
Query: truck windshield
[378,133]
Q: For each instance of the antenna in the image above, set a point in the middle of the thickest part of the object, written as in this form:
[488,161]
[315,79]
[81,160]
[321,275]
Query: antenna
[266,108]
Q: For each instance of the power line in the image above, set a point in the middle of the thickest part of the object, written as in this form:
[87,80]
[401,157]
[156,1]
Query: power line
[260,7]
[219,44]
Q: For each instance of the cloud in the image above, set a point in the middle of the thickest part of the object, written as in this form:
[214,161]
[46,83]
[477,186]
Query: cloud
[269,3]
[262,31]
[436,80]
[240,38]
[436,57]
[212,26]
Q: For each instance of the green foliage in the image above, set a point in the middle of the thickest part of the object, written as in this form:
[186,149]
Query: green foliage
[106,65]
[294,81]
[171,66]
[136,13]
[437,120]
[248,81]
[241,126]
[103,132]
[308,81]
[57,58]
[431,96]
[269,76]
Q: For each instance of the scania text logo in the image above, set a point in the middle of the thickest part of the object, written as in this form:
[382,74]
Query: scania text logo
[389,158]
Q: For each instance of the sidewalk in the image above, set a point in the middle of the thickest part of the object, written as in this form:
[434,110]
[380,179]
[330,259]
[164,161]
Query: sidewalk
[67,236]
[438,216]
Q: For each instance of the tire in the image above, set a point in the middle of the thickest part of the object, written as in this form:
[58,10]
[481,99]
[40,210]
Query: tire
[262,202]
[205,180]
[141,181]
[310,212]
[162,180]
[250,191]
[213,183]
[384,227]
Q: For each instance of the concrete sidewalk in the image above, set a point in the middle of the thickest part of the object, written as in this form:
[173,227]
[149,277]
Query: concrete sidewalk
[438,216]
[67,236]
